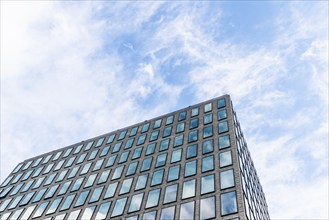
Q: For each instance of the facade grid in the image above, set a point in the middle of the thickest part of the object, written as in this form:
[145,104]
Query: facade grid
[189,164]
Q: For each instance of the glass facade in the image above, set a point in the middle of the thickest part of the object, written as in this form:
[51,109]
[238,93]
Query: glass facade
[189,164]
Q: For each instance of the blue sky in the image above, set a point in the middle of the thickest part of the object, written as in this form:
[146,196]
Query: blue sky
[74,70]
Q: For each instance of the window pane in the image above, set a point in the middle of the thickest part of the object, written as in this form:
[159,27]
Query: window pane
[98,164]
[85,168]
[168,213]
[224,141]
[88,213]
[96,194]
[51,191]
[150,149]
[207,146]
[105,151]
[111,138]
[122,135]
[178,140]
[119,207]
[136,202]
[222,114]
[164,145]
[132,168]
[40,210]
[141,182]
[67,202]
[141,139]
[222,127]
[28,212]
[166,132]
[104,176]
[207,208]
[16,214]
[154,135]
[82,198]
[194,123]
[170,120]
[117,172]
[111,161]
[161,160]
[221,103]
[117,147]
[125,188]
[207,184]
[226,179]
[207,131]
[124,157]
[153,198]
[170,194]
[173,173]
[129,143]
[192,151]
[207,119]
[93,154]
[88,146]
[193,136]
[188,189]
[190,168]
[77,184]
[27,198]
[134,217]
[103,210]
[40,194]
[207,163]
[225,159]
[145,127]
[64,188]
[180,127]
[228,203]
[182,116]
[157,177]
[53,207]
[133,131]
[207,107]
[187,211]
[73,172]
[149,215]
[176,155]
[157,123]
[137,153]
[146,165]
[74,215]
[110,192]
[194,112]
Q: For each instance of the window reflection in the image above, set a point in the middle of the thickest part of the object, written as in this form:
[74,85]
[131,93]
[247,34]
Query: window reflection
[225,159]
[228,203]
[224,141]
[222,127]
[110,192]
[207,184]
[170,194]
[187,211]
[153,198]
[188,189]
[207,208]
[168,213]
[136,202]
[226,179]
[119,207]
[102,211]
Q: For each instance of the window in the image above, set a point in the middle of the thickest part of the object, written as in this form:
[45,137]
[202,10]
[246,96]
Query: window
[149,215]
[59,165]
[146,165]
[207,119]
[187,211]
[19,166]
[225,159]
[117,147]
[67,202]
[207,164]
[119,207]
[207,184]
[129,143]
[67,152]
[56,157]
[53,207]
[39,212]
[188,189]
[82,158]
[133,131]
[98,164]
[27,186]
[145,127]
[179,140]
[164,144]
[111,161]
[15,202]
[161,160]
[40,194]
[207,208]
[122,135]
[27,198]
[207,131]
[170,120]
[103,210]
[93,154]
[49,179]
[153,198]
[125,188]
[117,172]
[180,127]
[157,177]
[132,168]
[136,202]
[103,178]
[100,142]
[194,123]
[207,146]
[73,215]
[191,151]
[28,212]
[77,184]
[176,155]
[70,162]
[27,175]
[85,168]
[193,136]
[17,188]
[110,192]
[224,141]
[195,112]
[157,124]
[154,135]
[173,173]
[111,138]
[4,205]
[166,132]
[36,162]
[207,107]
[221,103]
[168,213]
[150,149]
[182,116]
[47,170]
[51,192]
[190,168]
[141,182]
[88,146]
[141,139]
[226,179]
[228,203]
[77,150]
[96,194]
[82,198]
[64,188]
[137,153]
[124,157]
[170,194]
[88,213]
[73,172]
[221,114]
[104,151]
[222,127]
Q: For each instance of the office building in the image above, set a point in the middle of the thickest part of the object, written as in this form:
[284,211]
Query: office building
[189,164]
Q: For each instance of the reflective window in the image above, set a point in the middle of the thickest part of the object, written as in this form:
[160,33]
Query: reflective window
[126,185]
[132,168]
[168,213]
[146,165]
[124,157]
[117,147]
[110,192]
[77,184]
[54,205]
[170,120]
[207,208]
[117,172]
[207,107]
[149,215]
[61,176]
[16,214]
[228,203]
[7,180]
[36,162]
[88,146]
[193,136]
[105,174]
[164,145]
[119,207]
[222,114]
[226,179]
[67,152]
[74,215]
[187,211]
[104,151]
[37,172]
[39,212]
[82,158]
[188,189]
[88,213]
[59,165]
[207,184]
[141,139]
[4,205]
[224,141]
[195,111]
[225,159]
[145,127]
[103,211]
[100,142]
[157,177]
[27,198]
[166,131]
[133,131]
[40,194]
[19,166]
[222,127]
[56,157]
[27,175]
[82,198]
[70,162]
[47,170]
[207,164]
[136,202]
[157,123]
[207,119]
[182,116]
[150,149]
[78,149]
[176,155]
[161,160]
[192,151]
[111,161]
[129,143]
[153,198]
[64,188]
[49,179]
[17,188]
[190,168]
[96,194]
[154,135]
[73,172]
[173,173]
[194,123]
[85,168]
[93,154]
[28,212]
[51,191]
[207,146]
[170,194]
[122,135]
[67,202]
[137,153]
[27,186]
[221,103]
[180,127]
[98,164]
[179,140]
[111,138]
[207,131]
[141,182]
